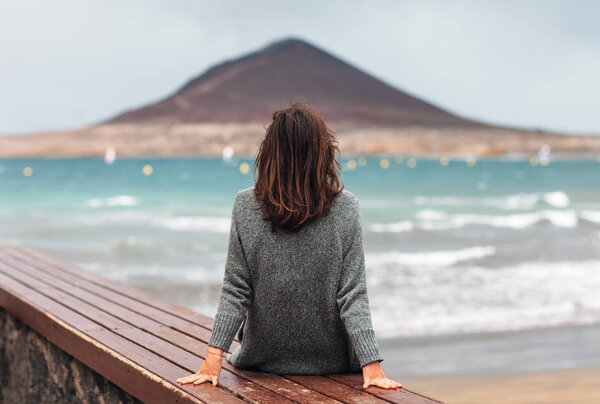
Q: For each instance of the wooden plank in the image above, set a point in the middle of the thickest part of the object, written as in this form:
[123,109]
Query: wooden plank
[288,388]
[182,325]
[236,385]
[80,279]
[143,378]
[76,287]
[402,395]
[333,389]
[127,291]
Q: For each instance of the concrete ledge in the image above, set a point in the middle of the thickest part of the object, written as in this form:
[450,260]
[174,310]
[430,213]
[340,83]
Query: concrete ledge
[33,370]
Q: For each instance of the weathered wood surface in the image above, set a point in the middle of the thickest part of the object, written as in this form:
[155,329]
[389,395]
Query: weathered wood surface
[143,344]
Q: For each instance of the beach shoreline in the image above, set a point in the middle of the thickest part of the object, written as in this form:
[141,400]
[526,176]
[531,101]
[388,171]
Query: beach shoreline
[581,386]
[210,140]
[545,365]
[504,352]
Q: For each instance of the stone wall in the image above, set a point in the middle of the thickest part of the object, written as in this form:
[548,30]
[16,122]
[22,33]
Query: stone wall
[33,370]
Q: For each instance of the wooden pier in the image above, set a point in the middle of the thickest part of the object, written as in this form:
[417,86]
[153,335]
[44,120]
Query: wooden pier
[143,344]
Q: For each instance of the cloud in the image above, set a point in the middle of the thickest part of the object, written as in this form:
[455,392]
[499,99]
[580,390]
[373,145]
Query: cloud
[69,63]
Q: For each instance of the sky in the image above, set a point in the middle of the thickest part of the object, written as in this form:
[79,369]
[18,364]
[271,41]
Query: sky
[530,64]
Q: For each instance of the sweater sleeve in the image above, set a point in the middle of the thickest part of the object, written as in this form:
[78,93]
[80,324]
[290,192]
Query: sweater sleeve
[352,298]
[236,292]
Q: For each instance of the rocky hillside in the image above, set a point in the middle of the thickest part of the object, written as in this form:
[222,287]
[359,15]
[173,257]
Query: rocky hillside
[249,88]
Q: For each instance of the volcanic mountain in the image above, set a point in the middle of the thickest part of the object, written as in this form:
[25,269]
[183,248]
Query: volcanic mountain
[229,104]
[251,87]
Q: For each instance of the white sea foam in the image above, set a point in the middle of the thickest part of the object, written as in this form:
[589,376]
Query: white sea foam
[216,224]
[195,223]
[514,202]
[590,215]
[397,227]
[464,299]
[98,218]
[430,214]
[558,199]
[442,200]
[434,220]
[157,274]
[120,200]
[520,201]
[429,258]
[558,218]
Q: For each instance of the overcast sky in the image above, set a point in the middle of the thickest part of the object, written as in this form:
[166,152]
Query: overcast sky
[535,64]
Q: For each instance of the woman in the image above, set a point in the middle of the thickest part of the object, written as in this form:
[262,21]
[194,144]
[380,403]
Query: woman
[294,281]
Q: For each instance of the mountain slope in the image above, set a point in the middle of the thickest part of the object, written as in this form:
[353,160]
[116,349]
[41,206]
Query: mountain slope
[249,88]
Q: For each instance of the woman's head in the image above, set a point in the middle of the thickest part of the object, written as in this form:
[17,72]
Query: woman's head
[298,175]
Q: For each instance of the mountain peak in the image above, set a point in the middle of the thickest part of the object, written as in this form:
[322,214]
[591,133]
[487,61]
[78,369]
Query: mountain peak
[251,87]
[286,44]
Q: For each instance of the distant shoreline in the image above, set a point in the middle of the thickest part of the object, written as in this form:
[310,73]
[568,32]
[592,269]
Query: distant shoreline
[457,158]
[179,140]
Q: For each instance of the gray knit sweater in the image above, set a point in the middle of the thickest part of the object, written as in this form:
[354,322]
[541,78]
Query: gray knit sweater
[299,300]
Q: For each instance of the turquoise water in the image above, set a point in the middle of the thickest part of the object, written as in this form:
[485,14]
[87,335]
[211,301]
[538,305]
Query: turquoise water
[453,249]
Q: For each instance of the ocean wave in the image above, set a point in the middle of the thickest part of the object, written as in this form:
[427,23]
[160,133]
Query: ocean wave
[99,218]
[195,223]
[558,218]
[119,200]
[520,201]
[429,258]
[435,220]
[558,199]
[216,224]
[158,275]
[430,214]
[466,299]
[397,227]
[590,215]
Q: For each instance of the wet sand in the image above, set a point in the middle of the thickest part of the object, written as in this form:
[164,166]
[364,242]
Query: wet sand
[547,365]
[574,386]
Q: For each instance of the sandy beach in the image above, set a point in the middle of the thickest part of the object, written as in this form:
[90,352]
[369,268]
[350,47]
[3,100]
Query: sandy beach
[210,139]
[573,386]
[548,365]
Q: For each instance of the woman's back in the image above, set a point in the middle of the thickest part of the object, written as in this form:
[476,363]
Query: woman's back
[300,297]
[295,283]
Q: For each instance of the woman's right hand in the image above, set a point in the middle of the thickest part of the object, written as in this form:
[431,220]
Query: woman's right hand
[373,376]
[209,370]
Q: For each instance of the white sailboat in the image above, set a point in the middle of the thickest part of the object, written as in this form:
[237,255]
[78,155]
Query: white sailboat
[110,155]
[228,153]
[544,154]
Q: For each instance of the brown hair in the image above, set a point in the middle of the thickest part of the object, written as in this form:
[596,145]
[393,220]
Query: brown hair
[298,175]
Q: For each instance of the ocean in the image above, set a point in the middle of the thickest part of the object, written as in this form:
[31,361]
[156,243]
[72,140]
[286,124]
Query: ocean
[496,248]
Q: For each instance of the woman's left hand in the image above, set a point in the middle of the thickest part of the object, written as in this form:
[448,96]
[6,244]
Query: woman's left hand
[209,370]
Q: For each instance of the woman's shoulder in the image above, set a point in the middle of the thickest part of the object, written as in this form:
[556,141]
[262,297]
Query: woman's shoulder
[347,203]
[244,200]
[250,189]
[246,192]
[348,197]
[346,211]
